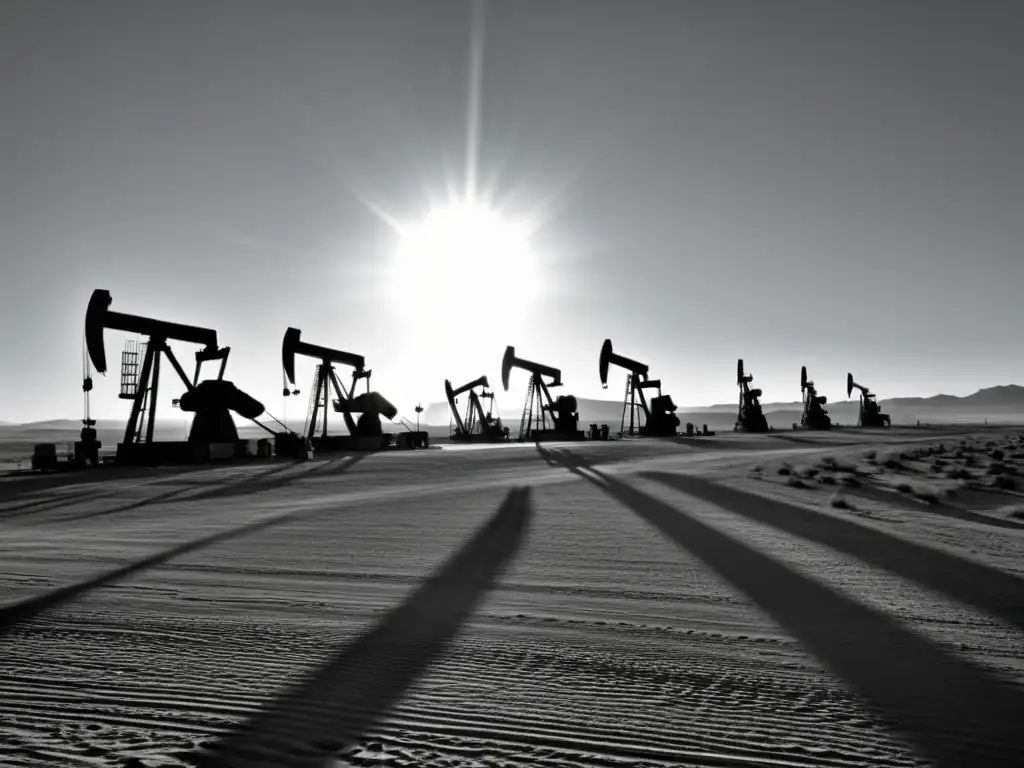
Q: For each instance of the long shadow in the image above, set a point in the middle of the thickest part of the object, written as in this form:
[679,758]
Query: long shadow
[989,589]
[243,487]
[941,509]
[337,702]
[17,613]
[956,712]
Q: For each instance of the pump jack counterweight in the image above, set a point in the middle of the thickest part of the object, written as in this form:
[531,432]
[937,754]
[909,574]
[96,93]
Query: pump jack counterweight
[562,410]
[660,419]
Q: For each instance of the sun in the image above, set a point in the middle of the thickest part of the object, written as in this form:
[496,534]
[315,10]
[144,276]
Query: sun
[465,261]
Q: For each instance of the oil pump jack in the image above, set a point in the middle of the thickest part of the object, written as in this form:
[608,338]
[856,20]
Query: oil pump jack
[750,417]
[814,416]
[364,432]
[564,417]
[870,412]
[477,425]
[660,419]
[210,400]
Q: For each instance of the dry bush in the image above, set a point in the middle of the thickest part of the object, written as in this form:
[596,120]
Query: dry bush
[850,480]
[1005,483]
[927,495]
[998,455]
[785,469]
[808,472]
[904,488]
[870,454]
[1018,514]
[827,479]
[997,468]
[959,473]
[839,502]
[796,482]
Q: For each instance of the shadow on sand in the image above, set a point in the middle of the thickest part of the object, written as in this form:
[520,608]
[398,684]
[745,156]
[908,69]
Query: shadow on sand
[957,713]
[334,704]
[267,481]
[975,584]
[16,613]
[942,509]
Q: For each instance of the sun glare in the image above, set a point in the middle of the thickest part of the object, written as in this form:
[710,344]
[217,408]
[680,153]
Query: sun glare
[463,259]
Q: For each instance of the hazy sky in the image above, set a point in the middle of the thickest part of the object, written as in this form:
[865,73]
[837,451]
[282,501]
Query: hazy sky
[821,183]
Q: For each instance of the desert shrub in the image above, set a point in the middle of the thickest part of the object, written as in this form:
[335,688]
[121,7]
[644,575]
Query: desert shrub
[951,492]
[927,495]
[904,488]
[990,445]
[998,455]
[970,461]
[1005,483]
[893,464]
[870,454]
[808,472]
[1018,514]
[850,480]
[958,454]
[839,502]
[785,469]
[796,482]
[997,468]
[959,473]
[827,479]
[1017,456]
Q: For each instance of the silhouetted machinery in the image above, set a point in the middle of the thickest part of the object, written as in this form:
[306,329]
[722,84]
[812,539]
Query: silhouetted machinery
[212,400]
[476,425]
[750,417]
[534,423]
[364,432]
[814,416]
[660,419]
[870,412]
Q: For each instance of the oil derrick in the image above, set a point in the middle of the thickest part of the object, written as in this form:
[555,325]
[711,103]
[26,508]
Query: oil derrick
[360,413]
[540,405]
[211,400]
[814,416]
[660,419]
[476,425]
[870,412]
[750,417]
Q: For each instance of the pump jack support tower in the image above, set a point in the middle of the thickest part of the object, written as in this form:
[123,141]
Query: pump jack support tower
[870,412]
[477,426]
[211,400]
[814,415]
[750,417]
[563,409]
[660,419]
[364,433]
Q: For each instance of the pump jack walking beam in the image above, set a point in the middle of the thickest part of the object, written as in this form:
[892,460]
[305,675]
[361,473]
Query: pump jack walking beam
[99,317]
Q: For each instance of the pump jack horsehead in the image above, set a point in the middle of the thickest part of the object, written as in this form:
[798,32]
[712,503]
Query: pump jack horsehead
[562,410]
[211,400]
[814,416]
[870,412]
[476,425]
[660,419]
[750,417]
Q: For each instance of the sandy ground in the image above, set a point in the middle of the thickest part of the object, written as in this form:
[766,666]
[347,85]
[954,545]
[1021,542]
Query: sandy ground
[846,599]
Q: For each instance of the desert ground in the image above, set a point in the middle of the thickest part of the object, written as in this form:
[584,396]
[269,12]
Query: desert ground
[853,598]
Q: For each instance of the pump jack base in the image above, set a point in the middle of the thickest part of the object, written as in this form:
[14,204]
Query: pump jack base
[188,452]
[386,441]
[551,436]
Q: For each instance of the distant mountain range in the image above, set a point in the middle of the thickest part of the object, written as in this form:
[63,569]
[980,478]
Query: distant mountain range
[1002,403]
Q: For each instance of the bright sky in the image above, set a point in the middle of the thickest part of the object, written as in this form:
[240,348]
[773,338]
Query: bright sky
[829,184]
